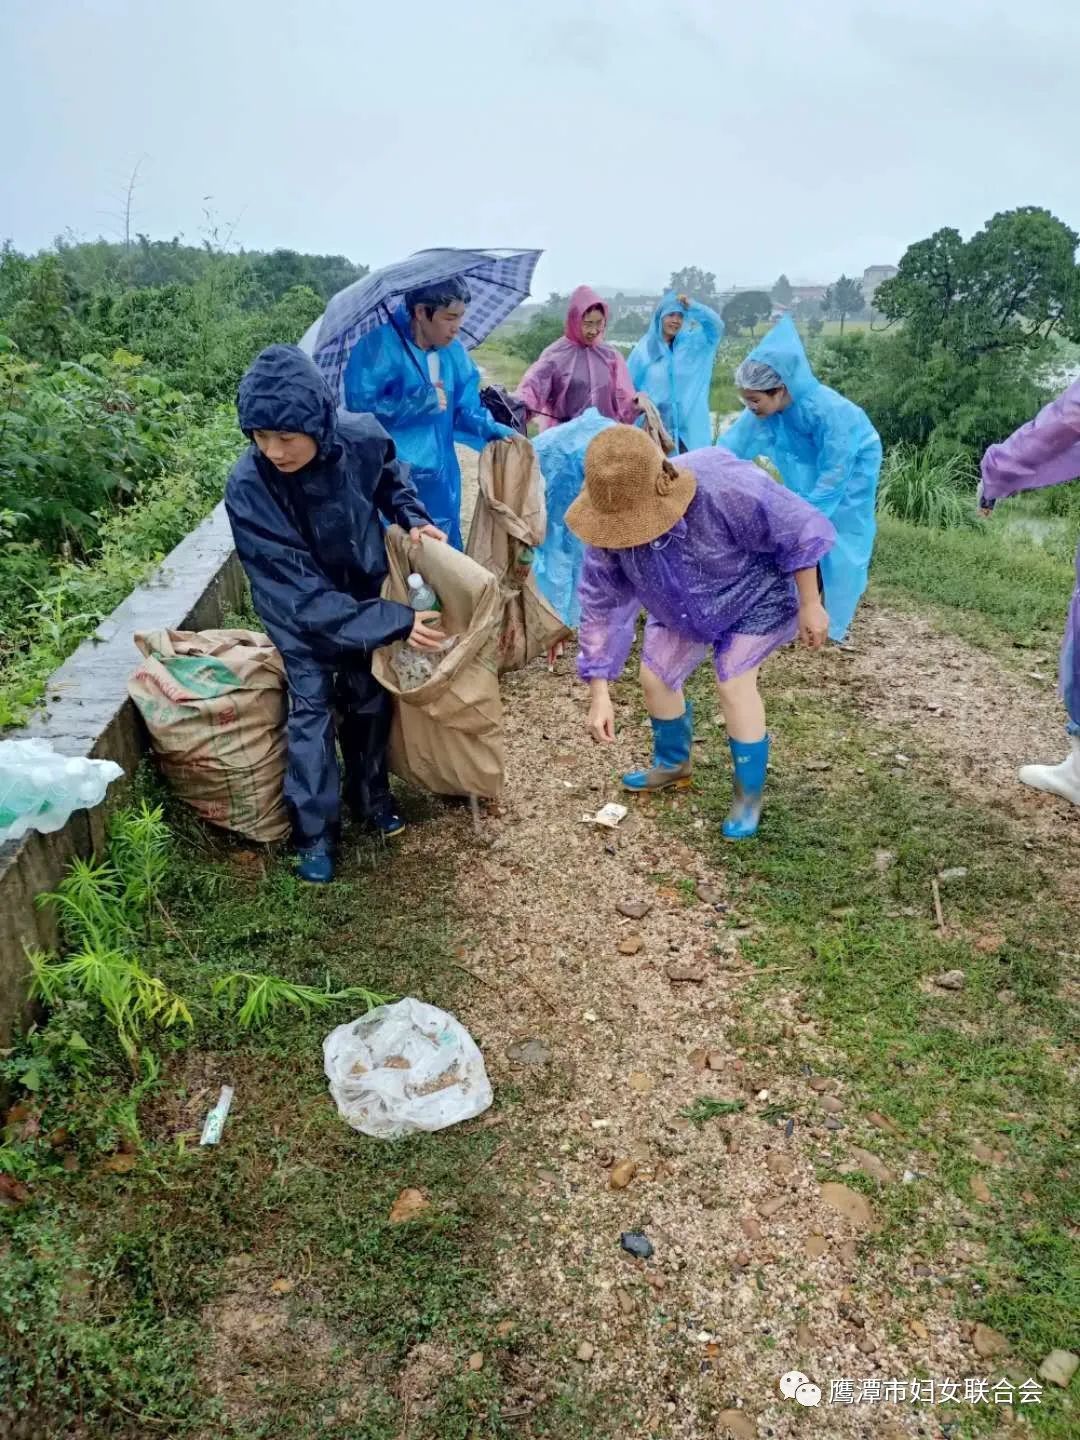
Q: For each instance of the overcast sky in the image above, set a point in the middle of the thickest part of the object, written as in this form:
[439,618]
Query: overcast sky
[626,138]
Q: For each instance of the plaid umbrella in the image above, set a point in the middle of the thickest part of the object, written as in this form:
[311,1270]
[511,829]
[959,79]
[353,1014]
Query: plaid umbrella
[499,281]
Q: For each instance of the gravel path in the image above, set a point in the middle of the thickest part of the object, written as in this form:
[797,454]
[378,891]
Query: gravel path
[757,1269]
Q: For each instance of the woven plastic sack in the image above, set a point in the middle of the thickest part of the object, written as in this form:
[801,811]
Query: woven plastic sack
[214,703]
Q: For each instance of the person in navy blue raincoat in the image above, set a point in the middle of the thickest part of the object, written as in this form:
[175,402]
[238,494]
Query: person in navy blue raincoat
[305,502]
[416,378]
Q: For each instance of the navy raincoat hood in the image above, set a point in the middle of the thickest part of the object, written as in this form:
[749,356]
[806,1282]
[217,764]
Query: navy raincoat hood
[311,542]
[284,390]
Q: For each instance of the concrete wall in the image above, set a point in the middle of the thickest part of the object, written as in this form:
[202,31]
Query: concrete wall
[87,713]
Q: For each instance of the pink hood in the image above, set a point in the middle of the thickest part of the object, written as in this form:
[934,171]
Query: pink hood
[584,298]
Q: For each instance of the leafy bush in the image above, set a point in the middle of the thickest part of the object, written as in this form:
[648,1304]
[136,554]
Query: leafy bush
[529,342]
[49,604]
[957,404]
[926,489]
[77,439]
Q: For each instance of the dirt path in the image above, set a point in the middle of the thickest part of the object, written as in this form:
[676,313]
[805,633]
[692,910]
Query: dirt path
[966,707]
[756,1271]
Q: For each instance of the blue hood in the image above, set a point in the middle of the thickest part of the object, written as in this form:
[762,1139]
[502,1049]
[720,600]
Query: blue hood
[782,350]
[283,389]
[655,344]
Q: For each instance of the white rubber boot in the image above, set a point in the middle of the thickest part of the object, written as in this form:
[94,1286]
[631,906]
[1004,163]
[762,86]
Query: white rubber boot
[1063,779]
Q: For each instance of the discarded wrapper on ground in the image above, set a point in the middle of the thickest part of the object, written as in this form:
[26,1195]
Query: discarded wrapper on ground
[405,1067]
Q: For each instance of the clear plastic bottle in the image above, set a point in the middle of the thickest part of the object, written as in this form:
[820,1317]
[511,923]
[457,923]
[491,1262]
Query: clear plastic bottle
[421,595]
[413,668]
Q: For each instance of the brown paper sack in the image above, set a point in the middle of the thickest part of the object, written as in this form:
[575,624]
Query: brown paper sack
[214,703]
[447,735]
[510,517]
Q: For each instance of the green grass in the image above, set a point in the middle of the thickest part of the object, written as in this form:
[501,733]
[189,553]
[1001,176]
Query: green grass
[498,365]
[981,582]
[123,1294]
[856,942]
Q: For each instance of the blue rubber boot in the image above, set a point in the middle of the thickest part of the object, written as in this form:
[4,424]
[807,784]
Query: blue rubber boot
[751,760]
[315,863]
[672,740]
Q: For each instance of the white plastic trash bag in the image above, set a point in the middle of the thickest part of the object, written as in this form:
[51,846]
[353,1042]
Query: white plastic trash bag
[39,789]
[405,1067]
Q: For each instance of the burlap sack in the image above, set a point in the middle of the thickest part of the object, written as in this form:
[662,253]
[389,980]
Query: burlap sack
[510,519]
[655,428]
[215,706]
[448,733]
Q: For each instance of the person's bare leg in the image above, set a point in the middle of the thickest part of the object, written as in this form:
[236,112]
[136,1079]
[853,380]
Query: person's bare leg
[743,707]
[661,701]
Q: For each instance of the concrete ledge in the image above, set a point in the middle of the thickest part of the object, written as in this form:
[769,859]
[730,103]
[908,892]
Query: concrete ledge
[88,713]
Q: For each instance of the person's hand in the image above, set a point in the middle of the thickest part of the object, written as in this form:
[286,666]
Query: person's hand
[601,721]
[684,301]
[425,633]
[431,532]
[813,625]
[639,402]
[440,394]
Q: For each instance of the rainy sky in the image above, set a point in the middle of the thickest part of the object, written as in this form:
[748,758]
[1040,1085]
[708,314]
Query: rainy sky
[625,137]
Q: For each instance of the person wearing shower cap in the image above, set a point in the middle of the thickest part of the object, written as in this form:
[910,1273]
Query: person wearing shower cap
[825,449]
[415,376]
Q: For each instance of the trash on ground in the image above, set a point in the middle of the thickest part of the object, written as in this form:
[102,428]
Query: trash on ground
[215,1121]
[442,1082]
[39,789]
[608,816]
[636,1244]
[408,1205]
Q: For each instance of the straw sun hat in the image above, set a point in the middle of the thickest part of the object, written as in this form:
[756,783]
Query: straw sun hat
[631,495]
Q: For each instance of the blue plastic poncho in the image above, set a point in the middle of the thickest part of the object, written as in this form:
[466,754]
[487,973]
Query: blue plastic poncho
[557,564]
[828,452]
[311,544]
[389,377]
[677,377]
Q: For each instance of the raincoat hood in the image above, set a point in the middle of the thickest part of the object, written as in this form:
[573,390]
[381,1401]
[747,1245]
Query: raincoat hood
[283,389]
[782,350]
[584,298]
[655,344]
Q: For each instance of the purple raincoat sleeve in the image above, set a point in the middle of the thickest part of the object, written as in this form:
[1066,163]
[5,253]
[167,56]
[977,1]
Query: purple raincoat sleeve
[609,611]
[1045,451]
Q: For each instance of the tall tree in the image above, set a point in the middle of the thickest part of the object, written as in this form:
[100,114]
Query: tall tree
[745,310]
[698,284]
[844,299]
[782,292]
[1013,284]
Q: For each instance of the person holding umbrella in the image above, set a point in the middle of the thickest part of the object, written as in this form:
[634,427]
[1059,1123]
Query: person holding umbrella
[415,376]
[305,502]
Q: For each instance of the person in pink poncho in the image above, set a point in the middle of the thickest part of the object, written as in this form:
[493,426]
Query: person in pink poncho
[580,371]
[1046,451]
